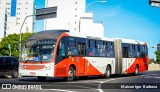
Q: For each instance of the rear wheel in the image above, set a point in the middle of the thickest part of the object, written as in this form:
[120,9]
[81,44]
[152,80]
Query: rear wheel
[71,74]
[41,78]
[136,70]
[15,74]
[108,72]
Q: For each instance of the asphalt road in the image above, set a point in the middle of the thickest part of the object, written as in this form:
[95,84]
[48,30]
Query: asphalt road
[145,82]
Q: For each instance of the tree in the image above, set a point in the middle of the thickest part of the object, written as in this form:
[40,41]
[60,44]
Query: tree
[158,56]
[152,61]
[13,40]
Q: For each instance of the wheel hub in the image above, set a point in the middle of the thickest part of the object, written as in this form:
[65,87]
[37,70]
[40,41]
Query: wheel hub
[70,73]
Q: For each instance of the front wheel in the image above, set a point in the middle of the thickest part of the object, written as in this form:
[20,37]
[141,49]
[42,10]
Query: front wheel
[41,78]
[108,72]
[71,74]
[15,74]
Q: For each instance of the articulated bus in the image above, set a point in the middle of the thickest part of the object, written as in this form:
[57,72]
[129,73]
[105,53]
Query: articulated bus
[59,53]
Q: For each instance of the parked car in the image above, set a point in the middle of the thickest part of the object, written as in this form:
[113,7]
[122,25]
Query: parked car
[9,66]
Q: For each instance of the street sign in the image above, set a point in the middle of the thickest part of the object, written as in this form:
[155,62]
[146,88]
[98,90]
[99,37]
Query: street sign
[45,13]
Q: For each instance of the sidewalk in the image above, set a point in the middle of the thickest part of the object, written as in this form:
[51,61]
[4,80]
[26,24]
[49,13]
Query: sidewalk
[153,67]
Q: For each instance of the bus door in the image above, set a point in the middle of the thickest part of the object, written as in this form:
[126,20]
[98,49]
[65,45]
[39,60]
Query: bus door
[81,48]
[125,59]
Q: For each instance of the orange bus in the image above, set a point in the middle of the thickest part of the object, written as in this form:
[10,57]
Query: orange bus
[60,53]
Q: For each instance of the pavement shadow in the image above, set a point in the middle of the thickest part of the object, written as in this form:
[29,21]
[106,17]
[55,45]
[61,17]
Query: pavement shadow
[35,80]
[3,77]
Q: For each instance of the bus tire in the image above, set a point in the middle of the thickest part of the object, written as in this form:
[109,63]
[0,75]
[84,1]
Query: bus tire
[15,74]
[108,72]
[71,74]
[40,78]
[136,70]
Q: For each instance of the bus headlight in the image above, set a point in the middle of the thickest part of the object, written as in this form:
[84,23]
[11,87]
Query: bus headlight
[47,67]
[20,66]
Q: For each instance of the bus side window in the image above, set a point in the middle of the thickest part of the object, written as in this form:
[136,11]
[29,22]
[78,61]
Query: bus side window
[146,50]
[110,49]
[81,46]
[101,48]
[136,51]
[107,49]
[72,46]
[125,50]
[91,48]
[130,51]
[142,51]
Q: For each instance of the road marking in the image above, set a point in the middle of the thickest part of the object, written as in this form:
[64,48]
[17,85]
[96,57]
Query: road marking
[100,84]
[59,90]
[86,87]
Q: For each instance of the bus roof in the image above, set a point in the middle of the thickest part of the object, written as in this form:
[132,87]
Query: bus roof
[54,34]
[130,41]
[48,34]
[87,36]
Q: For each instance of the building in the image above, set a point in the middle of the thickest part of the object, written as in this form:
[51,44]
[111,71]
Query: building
[12,15]
[3,19]
[71,15]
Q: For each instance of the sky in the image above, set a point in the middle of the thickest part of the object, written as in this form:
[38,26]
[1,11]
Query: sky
[130,19]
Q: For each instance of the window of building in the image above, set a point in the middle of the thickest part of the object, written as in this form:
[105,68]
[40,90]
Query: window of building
[7,3]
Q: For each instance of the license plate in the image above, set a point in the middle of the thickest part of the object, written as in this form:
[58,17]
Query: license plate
[32,73]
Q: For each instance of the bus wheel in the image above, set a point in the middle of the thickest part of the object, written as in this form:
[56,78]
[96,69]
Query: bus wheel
[15,74]
[41,78]
[71,74]
[108,72]
[136,70]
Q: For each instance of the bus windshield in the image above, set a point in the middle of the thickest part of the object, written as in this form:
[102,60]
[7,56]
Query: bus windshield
[38,50]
